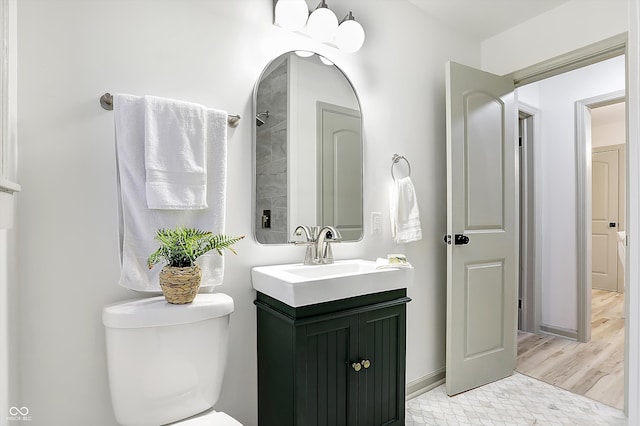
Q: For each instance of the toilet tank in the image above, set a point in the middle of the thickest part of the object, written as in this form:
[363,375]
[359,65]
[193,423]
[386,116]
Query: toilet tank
[166,362]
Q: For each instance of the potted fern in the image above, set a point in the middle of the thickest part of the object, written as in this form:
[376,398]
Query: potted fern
[179,248]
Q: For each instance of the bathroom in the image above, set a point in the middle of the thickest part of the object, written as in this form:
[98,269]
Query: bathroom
[63,250]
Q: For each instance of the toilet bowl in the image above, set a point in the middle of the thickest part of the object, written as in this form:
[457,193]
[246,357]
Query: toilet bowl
[166,362]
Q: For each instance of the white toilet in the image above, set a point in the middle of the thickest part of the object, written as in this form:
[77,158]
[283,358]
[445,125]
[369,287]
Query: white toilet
[166,362]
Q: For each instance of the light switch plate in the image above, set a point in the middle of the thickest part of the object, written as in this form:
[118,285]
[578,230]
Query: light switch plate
[376,223]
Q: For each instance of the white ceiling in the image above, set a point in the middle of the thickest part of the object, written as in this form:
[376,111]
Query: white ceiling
[482,19]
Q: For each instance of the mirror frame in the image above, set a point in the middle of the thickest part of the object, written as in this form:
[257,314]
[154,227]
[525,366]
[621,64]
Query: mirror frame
[254,112]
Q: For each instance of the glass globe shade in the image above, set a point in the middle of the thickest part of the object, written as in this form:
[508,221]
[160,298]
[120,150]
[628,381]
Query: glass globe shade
[291,14]
[322,24]
[350,36]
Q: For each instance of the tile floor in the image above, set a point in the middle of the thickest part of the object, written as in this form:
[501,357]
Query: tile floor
[516,400]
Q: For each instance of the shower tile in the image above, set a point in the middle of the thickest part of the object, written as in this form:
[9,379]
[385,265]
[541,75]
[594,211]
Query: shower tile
[279,220]
[278,139]
[279,202]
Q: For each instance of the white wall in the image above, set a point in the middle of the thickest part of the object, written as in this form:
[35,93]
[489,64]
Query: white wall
[608,125]
[568,27]
[209,52]
[4,325]
[529,95]
[556,99]
[632,299]
[9,367]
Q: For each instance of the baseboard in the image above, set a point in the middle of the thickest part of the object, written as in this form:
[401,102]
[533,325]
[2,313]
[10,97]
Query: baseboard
[559,331]
[426,383]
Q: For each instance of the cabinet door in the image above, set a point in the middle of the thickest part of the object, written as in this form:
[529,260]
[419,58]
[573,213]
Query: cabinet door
[324,376]
[381,386]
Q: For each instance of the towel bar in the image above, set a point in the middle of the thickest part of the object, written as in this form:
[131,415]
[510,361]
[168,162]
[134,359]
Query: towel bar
[106,101]
[395,159]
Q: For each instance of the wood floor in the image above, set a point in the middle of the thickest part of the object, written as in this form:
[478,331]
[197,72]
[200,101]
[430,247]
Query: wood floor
[594,369]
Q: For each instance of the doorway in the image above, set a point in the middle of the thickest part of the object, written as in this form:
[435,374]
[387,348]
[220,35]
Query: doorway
[528,312]
[566,349]
[339,168]
[555,230]
[608,142]
[590,246]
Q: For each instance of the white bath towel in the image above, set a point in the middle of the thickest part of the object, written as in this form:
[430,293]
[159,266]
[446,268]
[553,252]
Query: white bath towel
[405,216]
[175,154]
[138,223]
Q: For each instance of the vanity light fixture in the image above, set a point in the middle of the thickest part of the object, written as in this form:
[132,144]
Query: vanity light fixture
[291,14]
[321,24]
[350,34]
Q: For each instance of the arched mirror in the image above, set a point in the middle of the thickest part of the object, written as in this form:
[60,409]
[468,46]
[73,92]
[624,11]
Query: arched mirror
[307,149]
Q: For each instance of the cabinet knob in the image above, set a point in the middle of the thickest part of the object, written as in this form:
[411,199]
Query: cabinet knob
[366,363]
[356,366]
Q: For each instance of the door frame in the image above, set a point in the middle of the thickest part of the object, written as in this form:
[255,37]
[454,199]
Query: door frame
[627,43]
[583,199]
[531,235]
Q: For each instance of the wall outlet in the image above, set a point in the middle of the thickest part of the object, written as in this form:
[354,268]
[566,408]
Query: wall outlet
[376,223]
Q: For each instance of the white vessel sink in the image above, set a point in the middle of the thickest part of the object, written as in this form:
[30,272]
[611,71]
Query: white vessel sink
[301,285]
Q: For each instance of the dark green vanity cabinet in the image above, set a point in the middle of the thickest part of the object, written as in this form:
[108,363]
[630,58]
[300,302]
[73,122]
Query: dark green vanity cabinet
[334,363]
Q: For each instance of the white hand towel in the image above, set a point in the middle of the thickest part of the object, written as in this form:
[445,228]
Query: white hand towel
[405,217]
[175,154]
[138,224]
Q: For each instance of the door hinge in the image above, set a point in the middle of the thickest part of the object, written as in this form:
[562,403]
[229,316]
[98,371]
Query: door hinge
[519,303]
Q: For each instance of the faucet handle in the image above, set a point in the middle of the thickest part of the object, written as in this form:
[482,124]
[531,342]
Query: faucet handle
[333,234]
[303,229]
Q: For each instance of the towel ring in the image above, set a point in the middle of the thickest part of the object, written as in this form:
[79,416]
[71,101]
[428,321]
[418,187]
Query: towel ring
[395,159]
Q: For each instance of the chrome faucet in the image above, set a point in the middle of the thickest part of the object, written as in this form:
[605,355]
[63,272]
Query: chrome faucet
[327,235]
[318,242]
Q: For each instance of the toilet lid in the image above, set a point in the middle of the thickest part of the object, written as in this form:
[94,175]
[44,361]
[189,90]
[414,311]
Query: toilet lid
[214,418]
[156,312]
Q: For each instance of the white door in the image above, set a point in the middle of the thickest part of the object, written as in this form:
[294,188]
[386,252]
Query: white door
[482,275]
[605,220]
[340,183]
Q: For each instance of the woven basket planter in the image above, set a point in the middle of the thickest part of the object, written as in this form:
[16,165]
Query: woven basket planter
[180,285]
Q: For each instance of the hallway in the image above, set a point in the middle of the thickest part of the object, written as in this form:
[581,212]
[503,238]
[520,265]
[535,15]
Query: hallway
[594,369]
